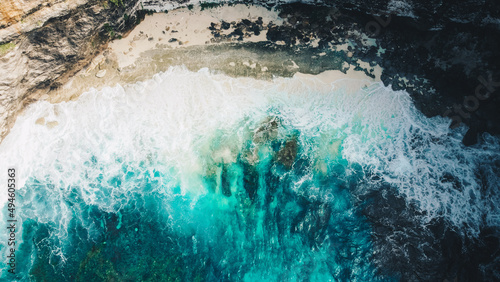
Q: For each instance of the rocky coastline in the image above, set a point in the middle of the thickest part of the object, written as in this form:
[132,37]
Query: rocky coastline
[444,55]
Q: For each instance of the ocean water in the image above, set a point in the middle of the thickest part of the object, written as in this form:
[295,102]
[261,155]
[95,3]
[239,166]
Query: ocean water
[197,176]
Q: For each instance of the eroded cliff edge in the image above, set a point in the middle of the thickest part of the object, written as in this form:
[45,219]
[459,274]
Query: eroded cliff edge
[45,42]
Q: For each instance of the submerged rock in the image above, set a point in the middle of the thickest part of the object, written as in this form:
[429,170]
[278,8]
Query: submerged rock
[96,266]
[288,153]
[226,182]
[267,131]
[250,180]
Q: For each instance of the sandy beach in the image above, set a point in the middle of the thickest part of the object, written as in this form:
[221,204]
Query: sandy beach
[186,27]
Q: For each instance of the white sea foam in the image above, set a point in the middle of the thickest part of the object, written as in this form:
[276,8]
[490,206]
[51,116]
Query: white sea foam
[401,8]
[180,120]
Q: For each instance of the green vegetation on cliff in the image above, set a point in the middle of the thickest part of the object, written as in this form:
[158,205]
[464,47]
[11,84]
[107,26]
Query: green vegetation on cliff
[6,48]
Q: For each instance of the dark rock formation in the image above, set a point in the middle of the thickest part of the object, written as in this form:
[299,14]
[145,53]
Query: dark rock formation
[287,154]
[449,64]
[452,71]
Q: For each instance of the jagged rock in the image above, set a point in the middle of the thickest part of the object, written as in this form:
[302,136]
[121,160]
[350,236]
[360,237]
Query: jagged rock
[225,25]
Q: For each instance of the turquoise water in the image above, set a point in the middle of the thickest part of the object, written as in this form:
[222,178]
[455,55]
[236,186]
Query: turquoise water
[195,176]
[256,222]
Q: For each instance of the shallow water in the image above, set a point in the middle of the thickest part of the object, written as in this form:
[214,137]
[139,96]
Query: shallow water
[198,176]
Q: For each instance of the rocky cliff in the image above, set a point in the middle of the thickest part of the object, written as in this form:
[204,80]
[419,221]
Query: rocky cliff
[45,42]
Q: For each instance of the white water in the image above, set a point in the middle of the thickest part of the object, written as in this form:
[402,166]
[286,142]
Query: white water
[172,120]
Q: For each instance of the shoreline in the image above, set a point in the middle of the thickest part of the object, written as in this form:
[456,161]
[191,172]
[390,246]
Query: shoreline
[238,40]
[427,62]
[227,39]
[297,112]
